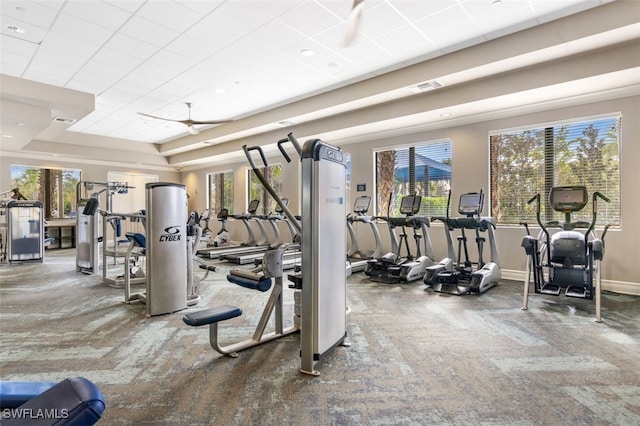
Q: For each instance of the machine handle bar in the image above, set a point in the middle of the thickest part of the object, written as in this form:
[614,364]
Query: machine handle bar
[294,142]
[296,224]
[260,151]
[596,195]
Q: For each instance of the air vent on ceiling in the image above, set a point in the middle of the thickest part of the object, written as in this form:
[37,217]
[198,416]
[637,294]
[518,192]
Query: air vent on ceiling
[427,85]
[64,120]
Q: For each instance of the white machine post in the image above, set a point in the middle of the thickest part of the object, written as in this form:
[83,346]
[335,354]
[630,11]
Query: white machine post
[87,240]
[324,240]
[166,205]
[25,231]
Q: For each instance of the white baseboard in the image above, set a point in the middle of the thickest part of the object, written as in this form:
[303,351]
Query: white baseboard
[623,287]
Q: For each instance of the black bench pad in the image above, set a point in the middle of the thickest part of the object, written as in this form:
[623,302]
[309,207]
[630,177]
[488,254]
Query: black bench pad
[213,315]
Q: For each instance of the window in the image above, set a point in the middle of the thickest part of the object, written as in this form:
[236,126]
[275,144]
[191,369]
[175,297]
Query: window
[422,170]
[531,161]
[55,188]
[273,175]
[220,192]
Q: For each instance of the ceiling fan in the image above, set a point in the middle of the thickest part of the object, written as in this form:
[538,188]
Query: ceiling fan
[187,122]
[353,22]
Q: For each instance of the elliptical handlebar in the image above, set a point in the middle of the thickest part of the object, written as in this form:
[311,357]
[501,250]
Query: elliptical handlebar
[594,206]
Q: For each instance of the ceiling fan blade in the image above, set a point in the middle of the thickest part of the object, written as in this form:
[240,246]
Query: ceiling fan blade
[160,118]
[210,121]
[353,22]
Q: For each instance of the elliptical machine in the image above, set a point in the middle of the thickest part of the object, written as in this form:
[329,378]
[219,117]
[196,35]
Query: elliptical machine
[222,238]
[392,267]
[459,277]
[570,257]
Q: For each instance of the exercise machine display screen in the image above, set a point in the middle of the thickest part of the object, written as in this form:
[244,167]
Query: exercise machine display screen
[410,204]
[361,205]
[471,204]
[568,198]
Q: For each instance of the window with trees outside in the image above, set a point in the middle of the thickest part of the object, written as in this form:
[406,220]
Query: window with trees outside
[423,169]
[54,188]
[273,175]
[530,161]
[220,192]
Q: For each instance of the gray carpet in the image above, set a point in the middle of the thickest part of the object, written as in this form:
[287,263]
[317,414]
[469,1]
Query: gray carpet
[416,357]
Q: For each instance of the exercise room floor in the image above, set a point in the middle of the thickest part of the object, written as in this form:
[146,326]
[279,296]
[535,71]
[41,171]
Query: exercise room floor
[416,357]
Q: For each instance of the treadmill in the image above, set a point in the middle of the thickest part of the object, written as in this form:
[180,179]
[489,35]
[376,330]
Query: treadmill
[250,244]
[254,255]
[358,258]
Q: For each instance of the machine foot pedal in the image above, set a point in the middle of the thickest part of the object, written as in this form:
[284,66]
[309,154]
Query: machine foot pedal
[576,291]
[551,289]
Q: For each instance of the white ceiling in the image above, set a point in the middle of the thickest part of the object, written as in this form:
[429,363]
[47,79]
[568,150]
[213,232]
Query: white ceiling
[234,59]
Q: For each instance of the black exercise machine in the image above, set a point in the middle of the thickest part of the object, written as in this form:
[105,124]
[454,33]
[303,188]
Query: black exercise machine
[570,258]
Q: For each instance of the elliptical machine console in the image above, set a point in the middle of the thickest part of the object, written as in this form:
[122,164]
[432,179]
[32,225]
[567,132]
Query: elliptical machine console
[571,258]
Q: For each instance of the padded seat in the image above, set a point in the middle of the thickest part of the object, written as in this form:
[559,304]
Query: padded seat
[211,316]
[74,401]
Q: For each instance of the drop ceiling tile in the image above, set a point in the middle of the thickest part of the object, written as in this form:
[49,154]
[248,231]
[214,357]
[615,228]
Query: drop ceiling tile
[43,77]
[366,51]
[156,71]
[216,33]
[119,96]
[99,13]
[128,5]
[202,7]
[320,51]
[397,42]
[32,33]
[98,84]
[61,65]
[276,35]
[191,48]
[341,9]
[148,32]
[550,10]
[414,10]
[448,27]
[78,84]
[12,59]
[169,14]
[175,61]
[28,11]
[58,42]
[102,70]
[309,18]
[131,46]
[80,29]
[117,59]
[11,69]
[15,45]
[136,86]
[481,11]
[381,19]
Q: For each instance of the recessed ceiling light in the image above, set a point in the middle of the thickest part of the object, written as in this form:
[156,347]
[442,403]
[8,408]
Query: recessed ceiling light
[221,91]
[307,52]
[285,123]
[445,114]
[15,29]
[7,136]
